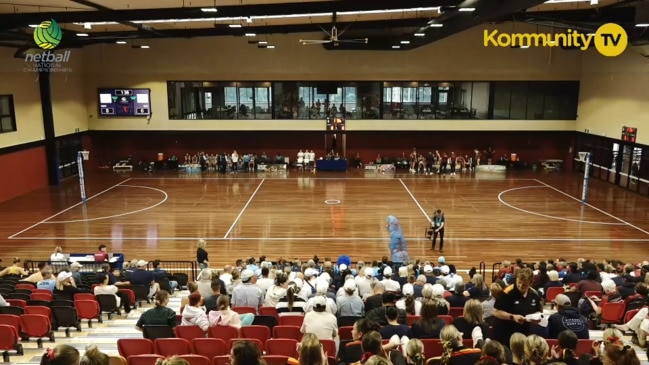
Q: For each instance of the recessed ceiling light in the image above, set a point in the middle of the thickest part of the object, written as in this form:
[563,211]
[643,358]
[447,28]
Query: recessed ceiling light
[263,42]
[33,25]
[145,47]
[524,47]
[209,10]
[270,46]
[420,34]
[435,25]
[234,25]
[642,25]
[405,42]
[87,26]
[467,9]
[396,47]
[251,35]
[121,42]
[82,34]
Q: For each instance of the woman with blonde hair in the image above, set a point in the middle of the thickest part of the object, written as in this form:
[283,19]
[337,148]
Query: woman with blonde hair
[65,285]
[454,351]
[488,305]
[415,352]
[517,347]
[14,269]
[536,350]
[201,255]
[225,316]
[478,289]
[94,357]
[310,352]
[57,256]
[471,317]
[172,360]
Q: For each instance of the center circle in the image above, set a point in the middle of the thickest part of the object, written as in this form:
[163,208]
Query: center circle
[332,201]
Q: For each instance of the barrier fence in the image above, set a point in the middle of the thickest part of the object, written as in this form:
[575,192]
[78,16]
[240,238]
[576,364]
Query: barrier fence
[188,268]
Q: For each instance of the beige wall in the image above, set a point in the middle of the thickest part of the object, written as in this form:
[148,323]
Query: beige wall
[614,92]
[68,99]
[460,57]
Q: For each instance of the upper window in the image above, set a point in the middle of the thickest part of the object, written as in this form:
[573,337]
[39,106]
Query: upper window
[7,116]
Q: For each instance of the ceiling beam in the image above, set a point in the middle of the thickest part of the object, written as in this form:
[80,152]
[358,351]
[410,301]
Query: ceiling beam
[9,21]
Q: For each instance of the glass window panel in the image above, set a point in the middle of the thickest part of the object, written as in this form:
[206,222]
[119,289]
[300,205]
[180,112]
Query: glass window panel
[6,124]
[502,100]
[425,95]
[5,105]
[368,101]
[286,99]
[518,107]
[535,101]
[480,100]
[263,100]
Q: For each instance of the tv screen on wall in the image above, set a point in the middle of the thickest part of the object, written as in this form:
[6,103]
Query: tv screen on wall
[124,102]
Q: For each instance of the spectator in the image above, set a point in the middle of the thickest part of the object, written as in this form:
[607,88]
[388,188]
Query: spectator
[567,318]
[94,357]
[471,317]
[194,315]
[378,315]
[201,255]
[350,304]
[320,322]
[245,353]
[159,315]
[160,274]
[144,278]
[48,282]
[14,269]
[247,294]
[210,302]
[408,303]
[61,355]
[225,316]
[121,298]
[393,327]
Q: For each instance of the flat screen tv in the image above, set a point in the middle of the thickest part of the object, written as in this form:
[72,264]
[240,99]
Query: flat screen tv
[335,124]
[124,102]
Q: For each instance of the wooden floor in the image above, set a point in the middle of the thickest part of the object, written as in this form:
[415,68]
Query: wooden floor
[533,215]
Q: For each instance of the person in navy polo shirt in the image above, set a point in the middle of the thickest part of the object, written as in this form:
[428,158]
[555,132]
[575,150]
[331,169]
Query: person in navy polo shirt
[143,277]
[516,301]
[567,318]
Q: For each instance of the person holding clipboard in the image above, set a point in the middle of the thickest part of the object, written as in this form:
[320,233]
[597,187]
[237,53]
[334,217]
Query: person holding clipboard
[438,229]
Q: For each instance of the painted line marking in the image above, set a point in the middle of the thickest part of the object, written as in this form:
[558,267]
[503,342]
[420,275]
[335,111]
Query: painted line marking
[243,209]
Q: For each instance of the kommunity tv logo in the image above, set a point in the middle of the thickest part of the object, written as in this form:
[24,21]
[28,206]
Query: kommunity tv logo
[610,39]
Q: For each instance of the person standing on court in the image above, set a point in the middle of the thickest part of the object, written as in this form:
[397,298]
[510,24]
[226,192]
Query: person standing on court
[201,255]
[438,229]
[398,244]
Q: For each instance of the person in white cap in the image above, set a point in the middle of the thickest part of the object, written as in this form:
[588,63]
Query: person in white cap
[320,322]
[145,278]
[248,294]
[408,302]
[322,288]
[388,283]
[65,286]
[75,269]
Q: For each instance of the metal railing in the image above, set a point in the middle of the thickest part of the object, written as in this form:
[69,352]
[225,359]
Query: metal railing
[494,271]
[171,267]
[190,268]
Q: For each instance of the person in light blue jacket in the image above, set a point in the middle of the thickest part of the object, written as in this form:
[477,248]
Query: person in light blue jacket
[398,244]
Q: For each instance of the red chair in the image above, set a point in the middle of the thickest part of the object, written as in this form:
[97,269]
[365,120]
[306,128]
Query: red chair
[447,293]
[129,347]
[189,333]
[258,343]
[630,314]
[88,309]
[291,320]
[432,347]
[11,320]
[48,297]
[209,347]
[411,318]
[456,312]
[584,347]
[287,332]
[244,310]
[282,346]
[345,332]
[84,296]
[131,295]
[38,326]
[197,359]
[226,333]
[552,293]
[275,359]
[172,346]
[332,360]
[29,287]
[17,303]
[329,346]
[268,311]
[220,360]
[45,311]
[9,341]
[44,291]
[552,342]
[143,359]
[612,313]
[448,319]
[262,333]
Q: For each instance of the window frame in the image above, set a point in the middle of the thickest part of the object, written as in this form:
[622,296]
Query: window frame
[11,113]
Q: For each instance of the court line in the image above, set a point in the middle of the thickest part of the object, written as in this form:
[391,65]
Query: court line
[243,209]
[594,207]
[416,202]
[545,215]
[120,214]
[221,178]
[66,209]
[324,239]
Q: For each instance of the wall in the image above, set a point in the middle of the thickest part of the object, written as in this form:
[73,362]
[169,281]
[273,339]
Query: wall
[24,171]
[530,146]
[613,93]
[460,57]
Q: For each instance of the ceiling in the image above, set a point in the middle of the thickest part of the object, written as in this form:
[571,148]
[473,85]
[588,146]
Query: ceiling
[380,24]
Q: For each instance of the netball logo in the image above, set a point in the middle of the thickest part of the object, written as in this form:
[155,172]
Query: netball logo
[47,35]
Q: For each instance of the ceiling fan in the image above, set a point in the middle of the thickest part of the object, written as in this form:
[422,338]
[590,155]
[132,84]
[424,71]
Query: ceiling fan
[333,36]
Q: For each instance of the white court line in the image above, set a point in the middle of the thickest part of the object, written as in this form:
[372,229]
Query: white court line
[416,202]
[545,215]
[65,210]
[377,239]
[594,207]
[120,214]
[243,209]
[223,178]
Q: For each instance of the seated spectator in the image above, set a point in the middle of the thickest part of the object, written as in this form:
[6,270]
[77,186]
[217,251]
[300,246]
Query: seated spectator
[378,315]
[471,317]
[322,288]
[210,302]
[145,278]
[350,304]
[478,290]
[415,352]
[589,284]
[193,288]
[350,351]
[291,304]
[459,296]
[393,327]
[375,298]
[310,351]
[225,316]
[121,298]
[488,305]
[194,315]
[320,322]
[430,325]
[160,274]
[65,286]
[204,283]
[38,276]
[454,351]
[408,303]
[371,344]
[60,355]
[245,353]
[566,350]
[159,315]
[248,294]
[567,317]
[553,281]
[57,256]
[536,350]
[437,292]
[14,269]
[619,354]
[48,282]
[517,347]
[172,360]
[276,291]
[93,356]
[75,270]
[494,351]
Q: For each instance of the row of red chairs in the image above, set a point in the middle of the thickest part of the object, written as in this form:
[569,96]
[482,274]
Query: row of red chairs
[149,359]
